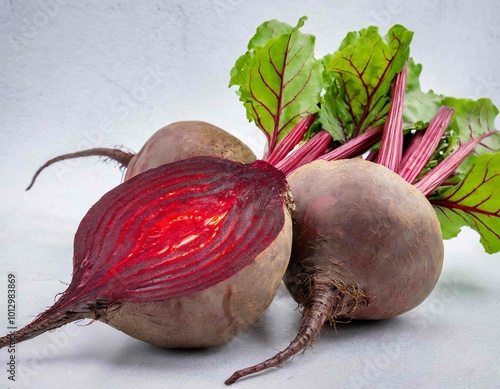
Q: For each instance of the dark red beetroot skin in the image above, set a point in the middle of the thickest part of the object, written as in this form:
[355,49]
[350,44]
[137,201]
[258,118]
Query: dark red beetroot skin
[367,245]
[157,247]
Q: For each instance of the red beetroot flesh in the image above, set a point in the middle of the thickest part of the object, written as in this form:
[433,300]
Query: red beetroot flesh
[195,222]
[169,232]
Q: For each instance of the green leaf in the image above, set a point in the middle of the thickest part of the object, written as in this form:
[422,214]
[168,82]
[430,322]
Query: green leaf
[335,115]
[265,32]
[278,79]
[474,202]
[472,119]
[362,72]
[327,77]
[270,30]
[420,107]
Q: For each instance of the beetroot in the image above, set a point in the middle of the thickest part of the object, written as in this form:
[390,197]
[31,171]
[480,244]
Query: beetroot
[171,143]
[367,245]
[182,140]
[188,254]
[401,255]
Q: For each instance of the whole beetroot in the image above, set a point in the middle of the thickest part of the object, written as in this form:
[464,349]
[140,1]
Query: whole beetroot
[179,140]
[187,139]
[367,245]
[353,201]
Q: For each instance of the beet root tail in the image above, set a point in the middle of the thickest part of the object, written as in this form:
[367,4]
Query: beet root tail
[51,319]
[318,308]
[118,155]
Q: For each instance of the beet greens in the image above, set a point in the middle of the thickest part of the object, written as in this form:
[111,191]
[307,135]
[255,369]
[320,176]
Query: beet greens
[439,137]
[367,244]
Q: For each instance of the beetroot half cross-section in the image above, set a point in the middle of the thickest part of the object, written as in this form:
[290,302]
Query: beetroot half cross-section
[188,254]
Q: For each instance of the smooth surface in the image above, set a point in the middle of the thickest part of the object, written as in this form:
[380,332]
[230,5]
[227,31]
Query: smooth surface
[105,73]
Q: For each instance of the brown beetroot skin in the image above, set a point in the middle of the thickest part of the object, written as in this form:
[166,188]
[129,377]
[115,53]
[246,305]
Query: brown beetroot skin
[365,226]
[366,245]
[177,141]
[188,139]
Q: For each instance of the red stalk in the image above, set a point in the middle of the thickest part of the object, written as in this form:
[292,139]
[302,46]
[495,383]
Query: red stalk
[356,146]
[423,145]
[391,146]
[291,140]
[390,153]
[372,156]
[315,149]
[308,152]
[433,179]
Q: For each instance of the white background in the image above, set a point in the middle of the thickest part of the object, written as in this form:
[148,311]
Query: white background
[76,75]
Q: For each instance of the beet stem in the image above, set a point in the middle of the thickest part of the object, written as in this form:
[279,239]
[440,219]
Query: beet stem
[423,145]
[51,319]
[356,146]
[391,145]
[318,308]
[291,140]
[308,152]
[118,155]
[440,173]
